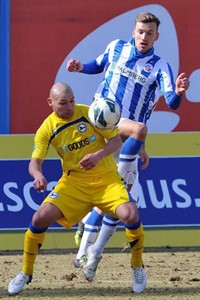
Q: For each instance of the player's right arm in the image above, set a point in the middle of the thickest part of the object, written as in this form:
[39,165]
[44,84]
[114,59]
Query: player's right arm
[74,65]
[40,150]
[91,67]
[35,170]
[94,66]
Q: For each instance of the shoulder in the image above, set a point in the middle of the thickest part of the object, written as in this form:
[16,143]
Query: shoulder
[81,110]
[47,124]
[117,42]
[160,60]
[82,107]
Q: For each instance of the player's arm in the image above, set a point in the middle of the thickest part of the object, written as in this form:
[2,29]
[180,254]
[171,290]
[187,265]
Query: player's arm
[90,67]
[144,157]
[40,150]
[94,66]
[111,146]
[172,92]
[90,160]
[35,170]
[181,85]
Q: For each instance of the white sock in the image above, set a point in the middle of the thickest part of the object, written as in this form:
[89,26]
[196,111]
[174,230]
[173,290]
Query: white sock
[88,239]
[106,232]
[128,170]
[91,229]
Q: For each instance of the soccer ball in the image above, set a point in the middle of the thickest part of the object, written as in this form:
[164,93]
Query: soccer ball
[104,113]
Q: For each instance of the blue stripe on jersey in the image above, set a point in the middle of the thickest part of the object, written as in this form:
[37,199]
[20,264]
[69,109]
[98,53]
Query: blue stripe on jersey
[120,92]
[134,104]
[107,87]
[82,119]
[121,89]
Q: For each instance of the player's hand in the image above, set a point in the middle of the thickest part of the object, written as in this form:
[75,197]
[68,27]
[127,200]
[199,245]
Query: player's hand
[40,183]
[74,65]
[89,161]
[182,84]
[144,158]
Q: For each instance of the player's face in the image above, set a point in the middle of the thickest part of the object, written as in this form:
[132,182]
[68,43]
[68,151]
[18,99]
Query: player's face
[63,104]
[145,35]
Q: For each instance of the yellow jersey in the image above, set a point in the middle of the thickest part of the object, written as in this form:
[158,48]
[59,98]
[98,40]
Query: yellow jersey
[73,139]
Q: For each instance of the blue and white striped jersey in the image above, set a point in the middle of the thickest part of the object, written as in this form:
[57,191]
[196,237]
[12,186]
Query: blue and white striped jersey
[134,80]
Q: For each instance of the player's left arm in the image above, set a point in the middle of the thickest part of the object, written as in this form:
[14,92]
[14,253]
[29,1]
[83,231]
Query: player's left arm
[89,161]
[144,157]
[173,92]
[181,85]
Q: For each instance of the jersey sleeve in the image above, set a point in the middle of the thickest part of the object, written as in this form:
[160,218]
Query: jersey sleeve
[91,67]
[41,144]
[167,87]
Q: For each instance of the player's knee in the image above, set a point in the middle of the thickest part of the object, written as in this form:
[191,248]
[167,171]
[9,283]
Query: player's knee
[129,220]
[36,221]
[139,131]
[39,220]
[128,213]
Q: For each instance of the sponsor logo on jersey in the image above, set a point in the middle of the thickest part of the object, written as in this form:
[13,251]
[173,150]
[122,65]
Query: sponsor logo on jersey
[80,144]
[130,74]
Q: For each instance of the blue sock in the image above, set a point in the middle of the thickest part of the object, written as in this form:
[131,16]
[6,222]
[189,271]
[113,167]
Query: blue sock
[131,147]
[127,159]
[94,221]
[133,226]
[37,230]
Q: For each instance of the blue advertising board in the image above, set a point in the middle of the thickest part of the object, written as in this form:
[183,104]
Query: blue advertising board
[169,192]
[18,198]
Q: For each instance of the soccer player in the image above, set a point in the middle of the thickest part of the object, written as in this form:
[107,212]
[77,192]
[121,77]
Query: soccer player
[90,177]
[133,74]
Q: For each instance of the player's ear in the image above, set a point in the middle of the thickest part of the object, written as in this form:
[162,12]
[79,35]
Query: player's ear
[49,101]
[157,36]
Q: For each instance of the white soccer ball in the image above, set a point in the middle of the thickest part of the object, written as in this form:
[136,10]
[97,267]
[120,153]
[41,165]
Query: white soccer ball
[104,113]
